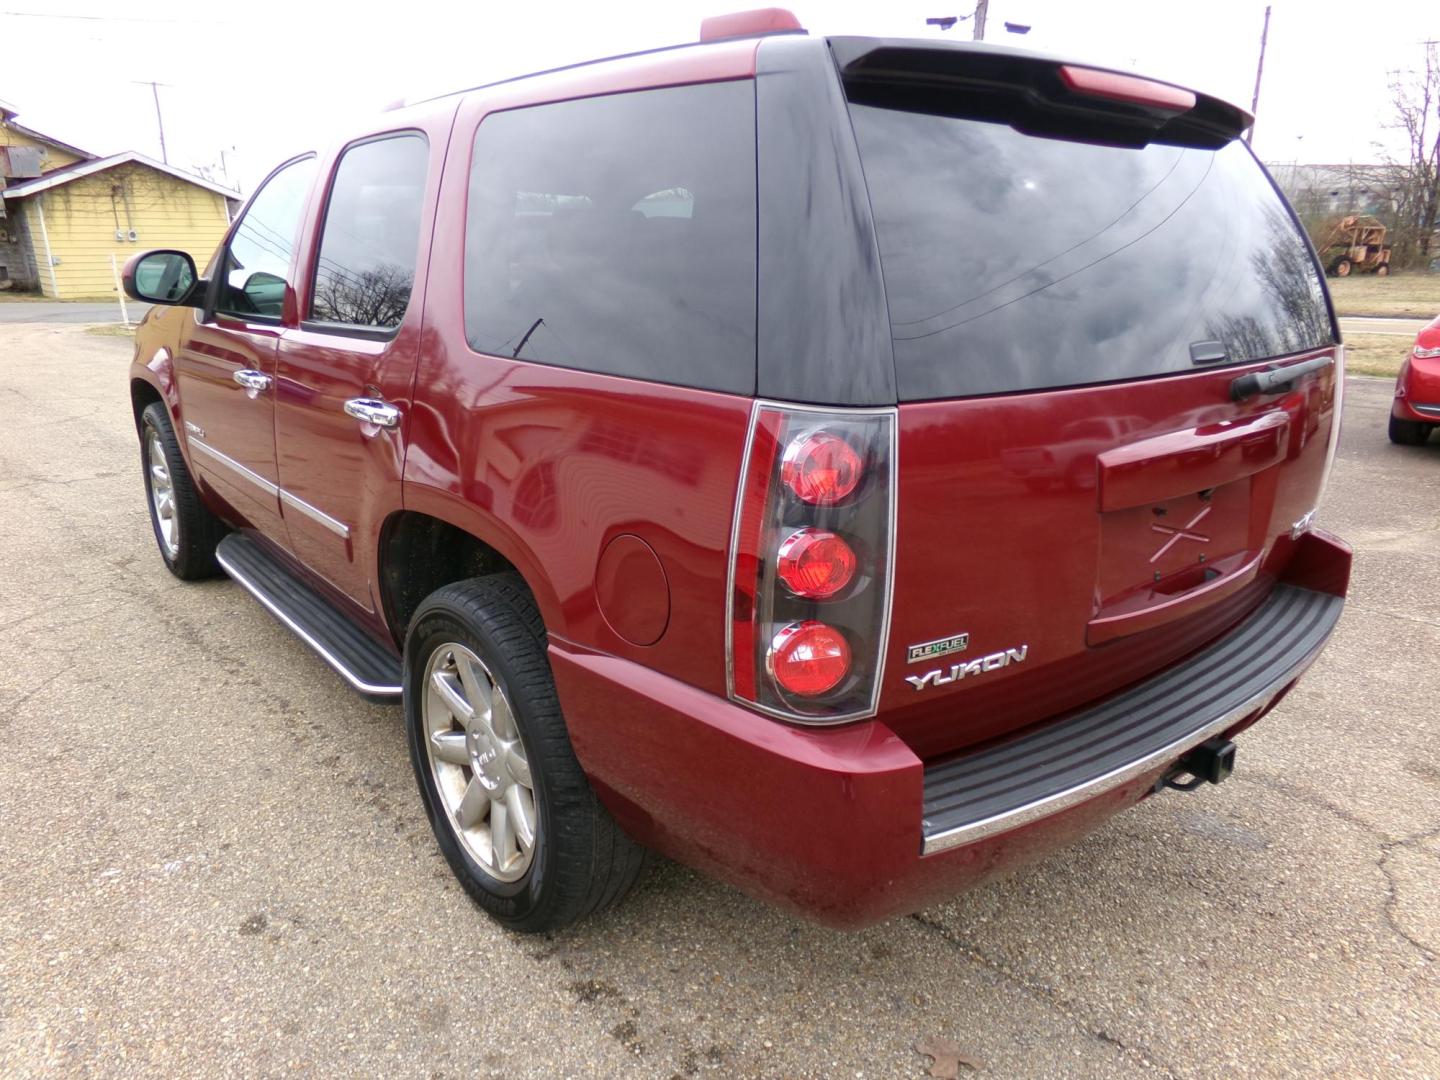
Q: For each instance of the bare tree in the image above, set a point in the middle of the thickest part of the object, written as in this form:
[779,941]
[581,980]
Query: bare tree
[1415,95]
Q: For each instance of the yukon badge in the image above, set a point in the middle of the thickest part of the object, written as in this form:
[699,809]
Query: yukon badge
[978,666]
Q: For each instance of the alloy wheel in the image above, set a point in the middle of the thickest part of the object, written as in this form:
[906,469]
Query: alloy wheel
[162,493]
[478,762]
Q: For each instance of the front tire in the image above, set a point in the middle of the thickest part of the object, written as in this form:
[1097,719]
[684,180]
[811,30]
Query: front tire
[1408,432]
[185,530]
[511,809]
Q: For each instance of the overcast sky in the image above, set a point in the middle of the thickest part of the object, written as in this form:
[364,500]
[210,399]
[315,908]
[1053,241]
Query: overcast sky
[264,79]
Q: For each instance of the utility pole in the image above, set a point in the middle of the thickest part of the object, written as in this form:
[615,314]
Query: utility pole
[982,7]
[155,90]
[1259,70]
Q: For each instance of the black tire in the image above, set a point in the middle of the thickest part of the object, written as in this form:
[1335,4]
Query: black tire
[1383,270]
[1408,432]
[1342,268]
[581,862]
[198,530]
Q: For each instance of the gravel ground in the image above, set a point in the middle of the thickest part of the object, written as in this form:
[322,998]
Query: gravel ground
[214,863]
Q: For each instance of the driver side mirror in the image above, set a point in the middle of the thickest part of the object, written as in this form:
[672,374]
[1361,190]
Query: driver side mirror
[163,277]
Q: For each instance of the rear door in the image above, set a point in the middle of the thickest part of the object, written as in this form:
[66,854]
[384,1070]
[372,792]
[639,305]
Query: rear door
[344,376]
[225,365]
[1074,284]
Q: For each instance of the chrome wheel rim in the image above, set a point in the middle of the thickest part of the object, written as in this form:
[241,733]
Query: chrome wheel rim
[478,762]
[162,494]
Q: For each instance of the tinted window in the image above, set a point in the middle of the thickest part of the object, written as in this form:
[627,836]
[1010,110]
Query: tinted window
[369,241]
[617,234]
[1015,262]
[257,262]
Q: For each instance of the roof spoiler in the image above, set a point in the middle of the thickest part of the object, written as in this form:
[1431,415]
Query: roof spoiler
[1035,94]
[758,22]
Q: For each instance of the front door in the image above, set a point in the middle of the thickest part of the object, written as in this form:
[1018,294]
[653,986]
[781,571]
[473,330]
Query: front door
[225,365]
[344,376]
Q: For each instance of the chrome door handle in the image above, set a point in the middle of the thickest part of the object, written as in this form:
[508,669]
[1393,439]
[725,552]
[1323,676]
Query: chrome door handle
[373,411]
[252,381]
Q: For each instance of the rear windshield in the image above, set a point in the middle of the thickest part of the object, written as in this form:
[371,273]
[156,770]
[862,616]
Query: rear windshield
[1016,262]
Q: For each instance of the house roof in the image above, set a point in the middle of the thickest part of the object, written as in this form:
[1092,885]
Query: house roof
[67,173]
[40,136]
[7,117]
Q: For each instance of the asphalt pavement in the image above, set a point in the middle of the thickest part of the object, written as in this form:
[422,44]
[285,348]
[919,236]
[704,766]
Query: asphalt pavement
[70,312]
[1354,324]
[213,860]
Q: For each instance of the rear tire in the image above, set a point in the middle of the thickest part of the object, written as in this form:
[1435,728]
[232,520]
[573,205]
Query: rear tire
[1409,432]
[1342,268]
[1383,270]
[486,734]
[185,530]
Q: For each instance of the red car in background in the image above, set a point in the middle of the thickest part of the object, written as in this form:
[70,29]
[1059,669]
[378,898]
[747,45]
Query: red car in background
[1416,411]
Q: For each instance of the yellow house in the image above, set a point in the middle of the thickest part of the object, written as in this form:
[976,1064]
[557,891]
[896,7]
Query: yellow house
[66,213]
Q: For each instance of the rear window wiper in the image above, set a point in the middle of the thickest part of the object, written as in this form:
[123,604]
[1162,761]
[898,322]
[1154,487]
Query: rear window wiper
[1274,379]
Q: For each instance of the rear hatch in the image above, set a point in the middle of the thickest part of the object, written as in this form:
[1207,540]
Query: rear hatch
[1080,270]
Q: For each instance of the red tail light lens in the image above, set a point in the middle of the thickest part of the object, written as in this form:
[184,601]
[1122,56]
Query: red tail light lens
[809,658]
[815,563]
[821,468]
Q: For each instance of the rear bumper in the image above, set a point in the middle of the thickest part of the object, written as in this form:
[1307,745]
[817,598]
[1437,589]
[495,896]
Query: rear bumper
[848,826]
[1132,733]
[1424,411]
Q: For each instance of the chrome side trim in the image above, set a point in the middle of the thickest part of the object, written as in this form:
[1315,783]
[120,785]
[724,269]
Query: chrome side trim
[339,528]
[320,650]
[235,467]
[1429,410]
[1063,800]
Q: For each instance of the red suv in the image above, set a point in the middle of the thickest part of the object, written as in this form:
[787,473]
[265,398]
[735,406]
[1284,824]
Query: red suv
[847,466]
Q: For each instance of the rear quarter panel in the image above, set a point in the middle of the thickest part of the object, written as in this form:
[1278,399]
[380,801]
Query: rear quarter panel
[549,465]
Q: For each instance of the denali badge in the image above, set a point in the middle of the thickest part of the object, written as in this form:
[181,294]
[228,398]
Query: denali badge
[938,677]
[929,650]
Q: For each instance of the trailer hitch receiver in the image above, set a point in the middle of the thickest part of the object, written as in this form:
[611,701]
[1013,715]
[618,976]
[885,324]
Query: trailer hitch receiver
[1209,763]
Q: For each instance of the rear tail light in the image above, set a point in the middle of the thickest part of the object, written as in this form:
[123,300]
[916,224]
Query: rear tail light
[814,563]
[1337,407]
[811,556]
[809,658]
[821,468]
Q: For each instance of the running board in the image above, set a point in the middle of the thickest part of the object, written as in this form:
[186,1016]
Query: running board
[371,669]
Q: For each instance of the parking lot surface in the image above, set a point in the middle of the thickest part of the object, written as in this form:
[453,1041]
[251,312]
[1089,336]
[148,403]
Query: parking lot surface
[213,860]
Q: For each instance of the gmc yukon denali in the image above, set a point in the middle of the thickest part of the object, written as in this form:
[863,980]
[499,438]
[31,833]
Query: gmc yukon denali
[851,467]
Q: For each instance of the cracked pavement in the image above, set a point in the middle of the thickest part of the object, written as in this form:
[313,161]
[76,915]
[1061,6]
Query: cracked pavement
[212,859]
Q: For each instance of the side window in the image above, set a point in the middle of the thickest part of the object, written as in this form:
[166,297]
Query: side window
[257,262]
[368,243]
[617,235]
